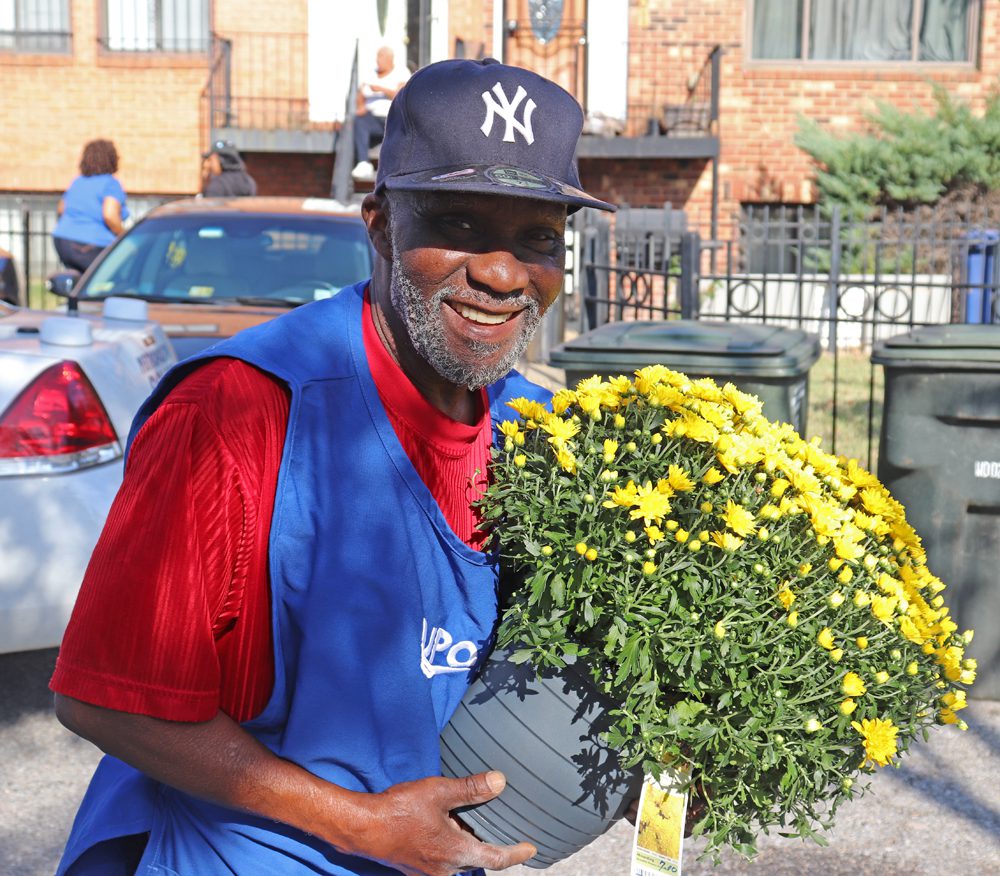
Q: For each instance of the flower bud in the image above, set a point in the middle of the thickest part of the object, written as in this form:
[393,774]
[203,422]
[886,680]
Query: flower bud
[546,550]
[581,547]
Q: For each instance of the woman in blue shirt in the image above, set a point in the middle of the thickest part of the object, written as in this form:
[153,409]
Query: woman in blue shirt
[92,209]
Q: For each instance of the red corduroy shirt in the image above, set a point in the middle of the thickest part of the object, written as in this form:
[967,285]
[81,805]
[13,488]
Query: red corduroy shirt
[173,617]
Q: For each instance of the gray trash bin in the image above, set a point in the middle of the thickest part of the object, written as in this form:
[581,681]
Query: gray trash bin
[770,362]
[939,454]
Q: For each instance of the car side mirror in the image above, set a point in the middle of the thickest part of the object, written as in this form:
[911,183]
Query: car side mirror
[62,284]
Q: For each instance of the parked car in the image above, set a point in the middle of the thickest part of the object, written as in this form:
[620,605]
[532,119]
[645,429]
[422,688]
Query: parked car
[69,387]
[10,289]
[211,266]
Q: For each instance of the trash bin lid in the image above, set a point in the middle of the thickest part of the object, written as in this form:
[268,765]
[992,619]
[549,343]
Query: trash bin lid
[958,345]
[695,346]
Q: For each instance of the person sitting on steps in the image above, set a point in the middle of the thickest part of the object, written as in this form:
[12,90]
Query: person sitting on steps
[373,99]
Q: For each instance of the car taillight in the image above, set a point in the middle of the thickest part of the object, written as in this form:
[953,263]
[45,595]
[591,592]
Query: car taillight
[57,424]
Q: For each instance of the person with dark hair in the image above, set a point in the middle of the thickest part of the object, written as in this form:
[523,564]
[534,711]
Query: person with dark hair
[92,209]
[294,587]
[224,174]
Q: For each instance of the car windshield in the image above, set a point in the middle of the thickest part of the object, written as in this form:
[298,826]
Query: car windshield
[258,258]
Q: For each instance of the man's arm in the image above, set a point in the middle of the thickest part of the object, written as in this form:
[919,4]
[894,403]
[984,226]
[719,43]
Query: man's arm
[407,826]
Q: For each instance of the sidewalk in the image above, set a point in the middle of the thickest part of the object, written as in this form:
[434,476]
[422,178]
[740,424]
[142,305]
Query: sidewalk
[939,812]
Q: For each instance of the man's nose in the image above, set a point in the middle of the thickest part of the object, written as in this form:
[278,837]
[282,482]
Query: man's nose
[498,271]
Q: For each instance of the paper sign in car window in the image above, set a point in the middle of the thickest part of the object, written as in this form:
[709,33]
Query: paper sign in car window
[99,288]
[176,253]
[659,829]
[201,291]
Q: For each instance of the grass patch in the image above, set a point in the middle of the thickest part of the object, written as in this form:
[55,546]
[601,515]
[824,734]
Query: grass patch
[845,395]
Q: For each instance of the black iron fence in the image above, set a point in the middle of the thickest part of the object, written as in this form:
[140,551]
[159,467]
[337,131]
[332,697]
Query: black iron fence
[850,282]
[26,224]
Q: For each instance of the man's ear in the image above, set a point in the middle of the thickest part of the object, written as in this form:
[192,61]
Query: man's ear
[375,213]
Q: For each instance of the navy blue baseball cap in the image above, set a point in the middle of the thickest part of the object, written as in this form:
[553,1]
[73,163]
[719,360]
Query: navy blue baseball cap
[486,127]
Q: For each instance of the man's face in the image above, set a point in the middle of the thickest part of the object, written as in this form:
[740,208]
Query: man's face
[472,276]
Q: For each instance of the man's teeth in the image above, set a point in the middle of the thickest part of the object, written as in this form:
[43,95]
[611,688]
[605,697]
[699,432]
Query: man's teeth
[483,317]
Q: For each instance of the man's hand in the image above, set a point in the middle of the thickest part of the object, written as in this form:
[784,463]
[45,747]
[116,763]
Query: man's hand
[414,831]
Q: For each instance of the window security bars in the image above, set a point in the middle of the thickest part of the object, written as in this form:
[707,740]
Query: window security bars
[38,26]
[156,26]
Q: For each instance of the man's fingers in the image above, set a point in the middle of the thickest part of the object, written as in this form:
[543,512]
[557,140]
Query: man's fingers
[501,857]
[479,788]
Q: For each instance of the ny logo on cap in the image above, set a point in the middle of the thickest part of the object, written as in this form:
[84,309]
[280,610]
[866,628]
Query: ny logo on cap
[507,109]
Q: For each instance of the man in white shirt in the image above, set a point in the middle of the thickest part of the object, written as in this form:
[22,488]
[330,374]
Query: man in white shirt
[373,99]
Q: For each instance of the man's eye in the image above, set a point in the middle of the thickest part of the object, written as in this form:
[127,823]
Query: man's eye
[546,240]
[456,223]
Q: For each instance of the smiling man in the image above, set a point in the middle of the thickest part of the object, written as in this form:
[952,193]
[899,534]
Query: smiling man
[291,592]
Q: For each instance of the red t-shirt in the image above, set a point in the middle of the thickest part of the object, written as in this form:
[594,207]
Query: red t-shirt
[173,616]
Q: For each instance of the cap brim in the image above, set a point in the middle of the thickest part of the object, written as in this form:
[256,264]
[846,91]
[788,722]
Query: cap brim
[494,179]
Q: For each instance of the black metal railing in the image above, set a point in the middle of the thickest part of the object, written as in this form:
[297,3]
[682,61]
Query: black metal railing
[684,104]
[260,81]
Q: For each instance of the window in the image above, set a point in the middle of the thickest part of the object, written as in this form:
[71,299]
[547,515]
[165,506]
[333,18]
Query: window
[34,25]
[915,31]
[156,25]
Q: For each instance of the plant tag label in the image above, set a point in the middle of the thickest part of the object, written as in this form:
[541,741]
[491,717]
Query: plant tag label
[659,828]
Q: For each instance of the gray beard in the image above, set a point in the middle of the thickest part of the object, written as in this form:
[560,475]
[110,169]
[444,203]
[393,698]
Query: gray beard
[425,326]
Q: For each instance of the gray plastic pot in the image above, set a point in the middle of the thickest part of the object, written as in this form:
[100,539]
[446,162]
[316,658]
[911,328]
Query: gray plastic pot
[565,787]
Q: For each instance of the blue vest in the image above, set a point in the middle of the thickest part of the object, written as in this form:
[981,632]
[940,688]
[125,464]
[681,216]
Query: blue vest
[380,612]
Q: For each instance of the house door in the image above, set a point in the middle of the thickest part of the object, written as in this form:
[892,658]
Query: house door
[549,37]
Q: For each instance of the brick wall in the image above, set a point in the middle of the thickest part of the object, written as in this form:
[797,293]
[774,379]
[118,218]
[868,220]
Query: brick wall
[290,173]
[760,105]
[147,104]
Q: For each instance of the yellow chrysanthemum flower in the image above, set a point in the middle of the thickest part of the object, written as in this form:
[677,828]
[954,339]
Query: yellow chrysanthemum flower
[651,504]
[786,597]
[528,409]
[679,479]
[622,497]
[853,685]
[562,400]
[566,460]
[738,518]
[559,430]
[879,738]
[825,638]
[884,607]
[727,541]
[712,476]
[510,428]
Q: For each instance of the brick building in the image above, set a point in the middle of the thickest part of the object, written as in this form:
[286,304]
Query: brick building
[692,102]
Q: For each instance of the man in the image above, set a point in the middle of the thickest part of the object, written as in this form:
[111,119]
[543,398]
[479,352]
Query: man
[258,642]
[223,173]
[373,99]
